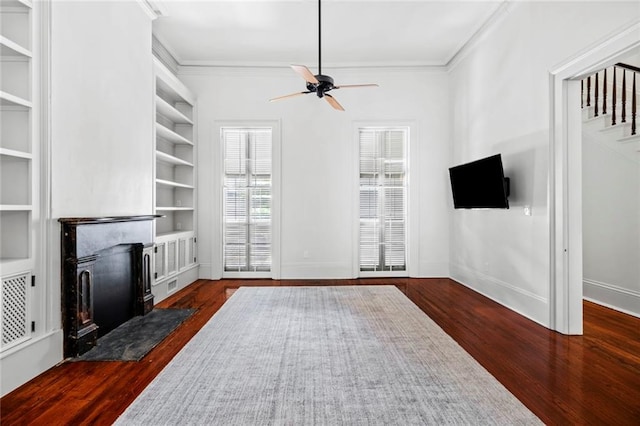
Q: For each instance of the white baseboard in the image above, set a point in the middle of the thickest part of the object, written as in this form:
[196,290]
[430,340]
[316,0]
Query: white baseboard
[316,270]
[165,288]
[206,272]
[27,361]
[431,270]
[612,296]
[527,304]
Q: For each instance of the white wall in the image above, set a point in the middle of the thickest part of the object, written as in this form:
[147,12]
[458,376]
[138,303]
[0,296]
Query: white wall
[102,109]
[500,104]
[319,169]
[611,220]
[101,144]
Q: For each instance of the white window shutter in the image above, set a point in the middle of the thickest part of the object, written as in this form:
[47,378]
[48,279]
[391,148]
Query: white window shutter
[247,199]
[383,204]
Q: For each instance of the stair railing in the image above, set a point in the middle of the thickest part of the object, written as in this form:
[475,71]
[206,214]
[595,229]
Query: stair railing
[603,103]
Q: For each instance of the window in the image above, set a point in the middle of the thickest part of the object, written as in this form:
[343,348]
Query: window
[247,195]
[383,199]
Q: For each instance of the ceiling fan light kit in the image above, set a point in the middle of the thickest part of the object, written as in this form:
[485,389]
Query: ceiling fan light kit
[319,84]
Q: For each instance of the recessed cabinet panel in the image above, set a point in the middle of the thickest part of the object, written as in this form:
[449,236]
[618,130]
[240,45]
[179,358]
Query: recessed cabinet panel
[172,259]
[14,227]
[160,260]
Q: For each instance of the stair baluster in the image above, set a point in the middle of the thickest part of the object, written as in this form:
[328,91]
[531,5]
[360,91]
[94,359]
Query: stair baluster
[613,99]
[604,92]
[633,106]
[595,111]
[601,108]
[624,96]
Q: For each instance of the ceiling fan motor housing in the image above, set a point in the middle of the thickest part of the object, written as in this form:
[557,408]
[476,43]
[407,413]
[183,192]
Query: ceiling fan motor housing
[325,84]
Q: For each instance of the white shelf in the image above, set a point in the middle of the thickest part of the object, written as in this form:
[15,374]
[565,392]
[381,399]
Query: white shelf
[11,48]
[7,99]
[20,187]
[167,110]
[172,184]
[171,136]
[174,209]
[175,176]
[16,207]
[16,154]
[170,159]
[170,85]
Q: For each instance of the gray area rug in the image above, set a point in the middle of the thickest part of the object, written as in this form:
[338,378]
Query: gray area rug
[132,340]
[362,355]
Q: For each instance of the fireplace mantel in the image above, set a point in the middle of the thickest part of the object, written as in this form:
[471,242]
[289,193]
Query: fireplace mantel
[106,219]
[106,275]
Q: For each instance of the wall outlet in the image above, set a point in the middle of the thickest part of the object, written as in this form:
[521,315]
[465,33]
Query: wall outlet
[305,254]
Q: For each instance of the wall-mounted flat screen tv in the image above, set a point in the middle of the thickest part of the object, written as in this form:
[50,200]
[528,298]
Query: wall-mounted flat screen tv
[480,184]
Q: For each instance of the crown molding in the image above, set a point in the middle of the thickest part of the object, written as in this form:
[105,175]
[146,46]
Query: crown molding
[152,8]
[500,13]
[312,66]
[280,69]
[164,55]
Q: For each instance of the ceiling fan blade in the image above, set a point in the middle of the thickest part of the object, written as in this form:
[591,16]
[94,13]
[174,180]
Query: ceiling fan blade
[332,101]
[292,95]
[349,86]
[305,73]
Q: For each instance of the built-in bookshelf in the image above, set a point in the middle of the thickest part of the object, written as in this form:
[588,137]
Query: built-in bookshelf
[175,180]
[18,169]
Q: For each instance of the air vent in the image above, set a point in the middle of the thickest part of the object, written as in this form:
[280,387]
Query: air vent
[15,324]
[171,286]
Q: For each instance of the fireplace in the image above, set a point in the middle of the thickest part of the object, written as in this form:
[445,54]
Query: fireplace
[106,276]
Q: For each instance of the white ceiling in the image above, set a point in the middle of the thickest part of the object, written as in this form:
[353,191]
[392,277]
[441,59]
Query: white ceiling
[354,32]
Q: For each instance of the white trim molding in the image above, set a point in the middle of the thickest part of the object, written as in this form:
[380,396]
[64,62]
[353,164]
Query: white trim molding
[216,260]
[152,8]
[524,302]
[565,180]
[612,296]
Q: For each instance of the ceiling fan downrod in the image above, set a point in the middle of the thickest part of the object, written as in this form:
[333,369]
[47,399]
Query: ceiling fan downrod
[319,38]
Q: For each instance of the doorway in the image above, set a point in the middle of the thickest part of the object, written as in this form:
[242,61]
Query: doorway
[565,177]
[611,188]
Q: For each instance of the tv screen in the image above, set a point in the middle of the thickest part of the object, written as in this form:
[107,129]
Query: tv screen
[480,184]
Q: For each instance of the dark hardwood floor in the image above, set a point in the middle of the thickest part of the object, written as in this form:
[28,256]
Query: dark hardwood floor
[589,379]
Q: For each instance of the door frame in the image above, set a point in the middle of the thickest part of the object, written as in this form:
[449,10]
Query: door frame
[565,175]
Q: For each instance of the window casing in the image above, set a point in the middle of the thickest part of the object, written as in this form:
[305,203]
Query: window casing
[383,199]
[247,199]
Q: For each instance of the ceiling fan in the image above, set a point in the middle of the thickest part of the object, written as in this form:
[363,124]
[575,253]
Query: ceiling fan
[319,84]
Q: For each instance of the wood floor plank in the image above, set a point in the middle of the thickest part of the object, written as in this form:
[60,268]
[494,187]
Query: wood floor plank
[594,378]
